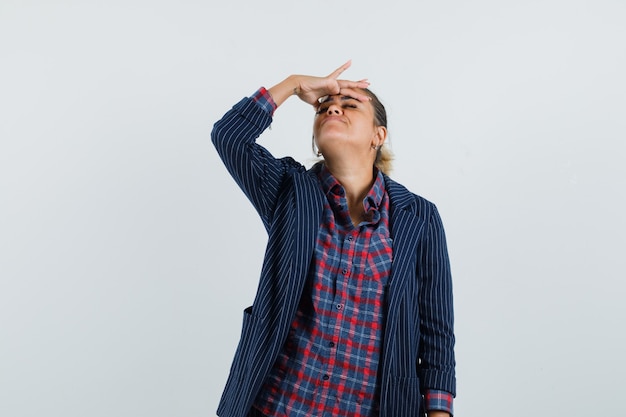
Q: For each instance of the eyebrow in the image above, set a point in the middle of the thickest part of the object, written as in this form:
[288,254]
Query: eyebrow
[330,98]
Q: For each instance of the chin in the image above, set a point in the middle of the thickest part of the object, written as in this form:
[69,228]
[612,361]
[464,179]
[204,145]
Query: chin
[331,138]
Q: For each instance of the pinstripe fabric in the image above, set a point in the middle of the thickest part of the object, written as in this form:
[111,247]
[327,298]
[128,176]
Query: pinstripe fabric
[418,346]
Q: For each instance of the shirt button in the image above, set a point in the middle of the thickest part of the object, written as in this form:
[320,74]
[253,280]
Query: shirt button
[350,238]
[339,306]
[325,377]
[331,344]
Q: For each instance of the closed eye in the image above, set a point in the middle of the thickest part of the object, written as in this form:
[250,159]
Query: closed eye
[324,109]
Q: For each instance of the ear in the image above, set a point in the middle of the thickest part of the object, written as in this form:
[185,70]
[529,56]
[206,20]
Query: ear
[380,136]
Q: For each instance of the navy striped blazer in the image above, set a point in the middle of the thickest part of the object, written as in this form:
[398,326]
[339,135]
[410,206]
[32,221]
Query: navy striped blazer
[418,345]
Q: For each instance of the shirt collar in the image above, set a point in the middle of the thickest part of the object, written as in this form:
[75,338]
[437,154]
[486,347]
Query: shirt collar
[372,201]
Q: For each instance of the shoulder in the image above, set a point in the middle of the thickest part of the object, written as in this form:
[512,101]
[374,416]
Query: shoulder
[401,197]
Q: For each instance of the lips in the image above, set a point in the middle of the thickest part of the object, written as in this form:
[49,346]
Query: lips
[333,119]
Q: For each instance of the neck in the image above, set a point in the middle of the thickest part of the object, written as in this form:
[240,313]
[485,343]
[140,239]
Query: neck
[356,180]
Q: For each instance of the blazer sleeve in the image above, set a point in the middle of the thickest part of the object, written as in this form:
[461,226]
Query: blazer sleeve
[437,361]
[253,168]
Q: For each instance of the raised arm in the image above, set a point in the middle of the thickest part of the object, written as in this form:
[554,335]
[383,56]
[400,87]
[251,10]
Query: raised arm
[255,170]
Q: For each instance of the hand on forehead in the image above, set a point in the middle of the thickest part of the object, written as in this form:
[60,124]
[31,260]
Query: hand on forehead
[345,94]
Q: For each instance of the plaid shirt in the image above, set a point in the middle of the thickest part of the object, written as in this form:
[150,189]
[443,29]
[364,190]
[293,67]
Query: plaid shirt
[329,363]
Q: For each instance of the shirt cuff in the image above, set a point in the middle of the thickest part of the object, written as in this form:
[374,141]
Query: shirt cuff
[438,400]
[263,98]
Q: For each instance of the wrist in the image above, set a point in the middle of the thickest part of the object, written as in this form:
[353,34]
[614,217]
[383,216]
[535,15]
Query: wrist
[283,90]
[436,413]
[294,82]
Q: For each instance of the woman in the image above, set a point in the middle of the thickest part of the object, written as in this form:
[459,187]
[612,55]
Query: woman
[353,313]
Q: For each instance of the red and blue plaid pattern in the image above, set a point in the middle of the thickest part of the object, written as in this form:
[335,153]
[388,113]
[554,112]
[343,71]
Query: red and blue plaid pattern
[439,400]
[263,98]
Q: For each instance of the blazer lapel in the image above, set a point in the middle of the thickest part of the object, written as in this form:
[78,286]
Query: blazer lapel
[308,216]
[406,226]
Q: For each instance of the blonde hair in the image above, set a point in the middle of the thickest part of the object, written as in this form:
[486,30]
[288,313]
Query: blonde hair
[384,157]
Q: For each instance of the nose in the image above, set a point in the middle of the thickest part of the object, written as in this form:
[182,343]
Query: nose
[334,109]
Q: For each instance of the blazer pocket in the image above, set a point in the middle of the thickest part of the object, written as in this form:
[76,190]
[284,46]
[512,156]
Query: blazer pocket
[405,392]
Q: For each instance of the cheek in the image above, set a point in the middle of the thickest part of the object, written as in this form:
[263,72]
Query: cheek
[316,125]
[315,132]
[318,129]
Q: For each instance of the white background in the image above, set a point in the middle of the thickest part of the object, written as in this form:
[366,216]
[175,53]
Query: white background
[127,253]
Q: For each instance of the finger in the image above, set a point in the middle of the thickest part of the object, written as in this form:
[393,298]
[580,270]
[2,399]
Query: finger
[355,94]
[353,89]
[336,73]
[364,83]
